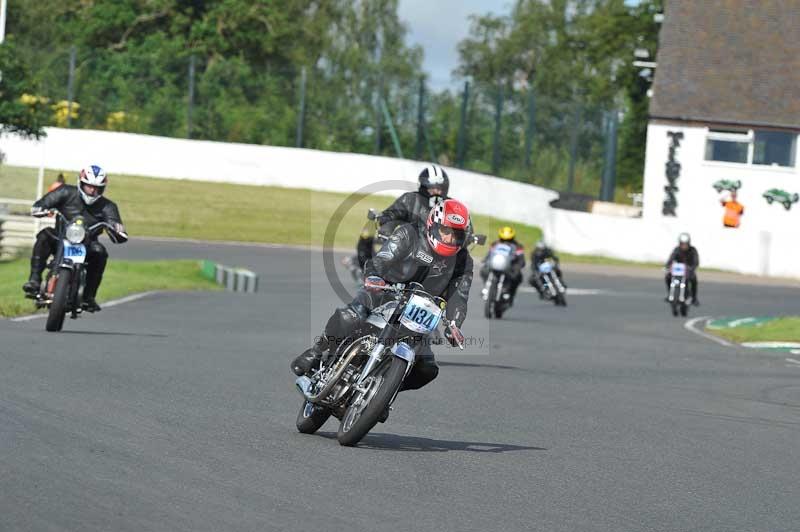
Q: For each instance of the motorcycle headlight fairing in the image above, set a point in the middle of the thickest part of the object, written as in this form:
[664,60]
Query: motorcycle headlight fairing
[76,233]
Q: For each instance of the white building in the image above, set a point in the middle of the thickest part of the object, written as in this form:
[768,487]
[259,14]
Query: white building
[726,96]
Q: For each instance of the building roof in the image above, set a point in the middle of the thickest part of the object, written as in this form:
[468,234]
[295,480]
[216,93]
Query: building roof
[729,62]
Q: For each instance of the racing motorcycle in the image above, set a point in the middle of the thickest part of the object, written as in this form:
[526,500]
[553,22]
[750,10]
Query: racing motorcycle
[62,291]
[496,295]
[551,286]
[677,289]
[359,381]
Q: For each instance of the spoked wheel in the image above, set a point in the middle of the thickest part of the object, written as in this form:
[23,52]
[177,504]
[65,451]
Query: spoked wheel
[311,417]
[684,309]
[490,309]
[561,301]
[674,306]
[368,405]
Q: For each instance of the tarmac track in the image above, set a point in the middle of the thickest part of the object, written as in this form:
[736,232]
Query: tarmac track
[176,412]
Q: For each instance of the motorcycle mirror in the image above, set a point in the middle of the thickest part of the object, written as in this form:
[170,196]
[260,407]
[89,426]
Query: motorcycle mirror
[372,214]
[479,239]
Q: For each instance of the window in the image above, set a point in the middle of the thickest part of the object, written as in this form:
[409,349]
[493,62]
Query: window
[774,148]
[771,148]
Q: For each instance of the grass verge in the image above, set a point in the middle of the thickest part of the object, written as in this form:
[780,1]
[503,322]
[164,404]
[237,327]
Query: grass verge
[213,211]
[121,278]
[786,329]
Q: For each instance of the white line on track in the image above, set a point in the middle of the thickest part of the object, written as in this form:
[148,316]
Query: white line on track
[107,304]
[571,291]
[690,326]
[793,361]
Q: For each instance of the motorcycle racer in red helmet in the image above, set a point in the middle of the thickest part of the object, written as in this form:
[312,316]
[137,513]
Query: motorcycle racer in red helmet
[433,255]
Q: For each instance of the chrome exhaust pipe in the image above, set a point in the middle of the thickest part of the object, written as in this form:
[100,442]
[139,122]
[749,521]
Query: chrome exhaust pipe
[303,385]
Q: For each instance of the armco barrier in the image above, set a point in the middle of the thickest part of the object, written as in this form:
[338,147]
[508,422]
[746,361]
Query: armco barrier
[233,279]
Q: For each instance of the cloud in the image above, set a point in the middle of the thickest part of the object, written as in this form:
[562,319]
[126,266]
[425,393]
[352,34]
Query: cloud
[438,26]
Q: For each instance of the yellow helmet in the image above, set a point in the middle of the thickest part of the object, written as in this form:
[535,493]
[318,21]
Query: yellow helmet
[506,233]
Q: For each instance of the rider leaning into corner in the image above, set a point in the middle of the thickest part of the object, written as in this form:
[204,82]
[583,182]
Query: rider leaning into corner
[507,235]
[434,255]
[686,254]
[86,200]
[541,253]
[411,207]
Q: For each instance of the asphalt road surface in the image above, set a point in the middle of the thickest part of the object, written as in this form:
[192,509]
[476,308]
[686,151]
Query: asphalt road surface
[176,412]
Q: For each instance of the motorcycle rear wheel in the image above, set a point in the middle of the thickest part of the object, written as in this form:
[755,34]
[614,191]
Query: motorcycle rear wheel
[365,409]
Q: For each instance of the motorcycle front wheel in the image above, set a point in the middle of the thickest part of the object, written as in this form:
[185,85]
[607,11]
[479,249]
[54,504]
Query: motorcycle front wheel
[58,308]
[366,407]
[311,417]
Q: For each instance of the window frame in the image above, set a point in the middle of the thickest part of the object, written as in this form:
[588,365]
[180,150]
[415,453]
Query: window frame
[748,136]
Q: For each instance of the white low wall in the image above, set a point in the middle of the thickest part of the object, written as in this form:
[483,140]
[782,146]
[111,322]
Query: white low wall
[161,157]
[748,251]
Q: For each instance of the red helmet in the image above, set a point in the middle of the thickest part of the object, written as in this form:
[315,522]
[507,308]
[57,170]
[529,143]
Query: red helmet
[446,228]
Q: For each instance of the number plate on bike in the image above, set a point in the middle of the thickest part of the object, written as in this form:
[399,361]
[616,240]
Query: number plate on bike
[421,315]
[75,252]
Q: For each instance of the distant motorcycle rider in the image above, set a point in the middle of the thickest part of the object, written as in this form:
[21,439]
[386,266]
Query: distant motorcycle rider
[507,235]
[684,253]
[411,207]
[86,200]
[541,253]
[433,255]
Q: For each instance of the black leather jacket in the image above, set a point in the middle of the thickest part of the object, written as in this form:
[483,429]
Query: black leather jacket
[411,207]
[406,256]
[67,200]
[539,255]
[690,257]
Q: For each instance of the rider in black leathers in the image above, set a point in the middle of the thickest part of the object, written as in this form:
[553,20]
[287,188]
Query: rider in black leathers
[687,254]
[507,235]
[412,253]
[411,207]
[71,202]
[540,254]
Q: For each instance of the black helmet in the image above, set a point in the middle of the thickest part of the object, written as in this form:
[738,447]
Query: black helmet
[433,176]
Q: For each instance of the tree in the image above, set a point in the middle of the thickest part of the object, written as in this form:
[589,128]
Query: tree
[18,114]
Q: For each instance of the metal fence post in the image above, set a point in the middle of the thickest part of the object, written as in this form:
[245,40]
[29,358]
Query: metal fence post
[531,129]
[71,83]
[610,162]
[395,139]
[461,143]
[191,97]
[498,117]
[301,115]
[420,119]
[573,147]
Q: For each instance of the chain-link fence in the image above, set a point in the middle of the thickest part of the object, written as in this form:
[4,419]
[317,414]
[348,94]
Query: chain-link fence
[502,129]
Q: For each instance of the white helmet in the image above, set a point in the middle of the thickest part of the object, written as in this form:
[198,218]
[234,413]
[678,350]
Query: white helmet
[92,176]
[684,238]
[433,176]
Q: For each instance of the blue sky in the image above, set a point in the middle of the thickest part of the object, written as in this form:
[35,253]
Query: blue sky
[438,26]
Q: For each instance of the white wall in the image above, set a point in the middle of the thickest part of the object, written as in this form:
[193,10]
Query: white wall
[160,157]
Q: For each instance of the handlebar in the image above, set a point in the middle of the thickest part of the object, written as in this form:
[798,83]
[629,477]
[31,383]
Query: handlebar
[59,216]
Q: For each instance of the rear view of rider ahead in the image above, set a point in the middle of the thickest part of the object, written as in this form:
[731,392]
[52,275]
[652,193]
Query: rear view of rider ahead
[86,200]
[433,255]
[507,235]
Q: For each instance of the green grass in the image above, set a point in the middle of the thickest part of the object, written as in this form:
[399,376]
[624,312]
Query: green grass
[213,211]
[786,329]
[121,278]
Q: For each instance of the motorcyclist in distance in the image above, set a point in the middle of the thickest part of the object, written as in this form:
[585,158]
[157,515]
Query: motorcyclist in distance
[507,235]
[684,253]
